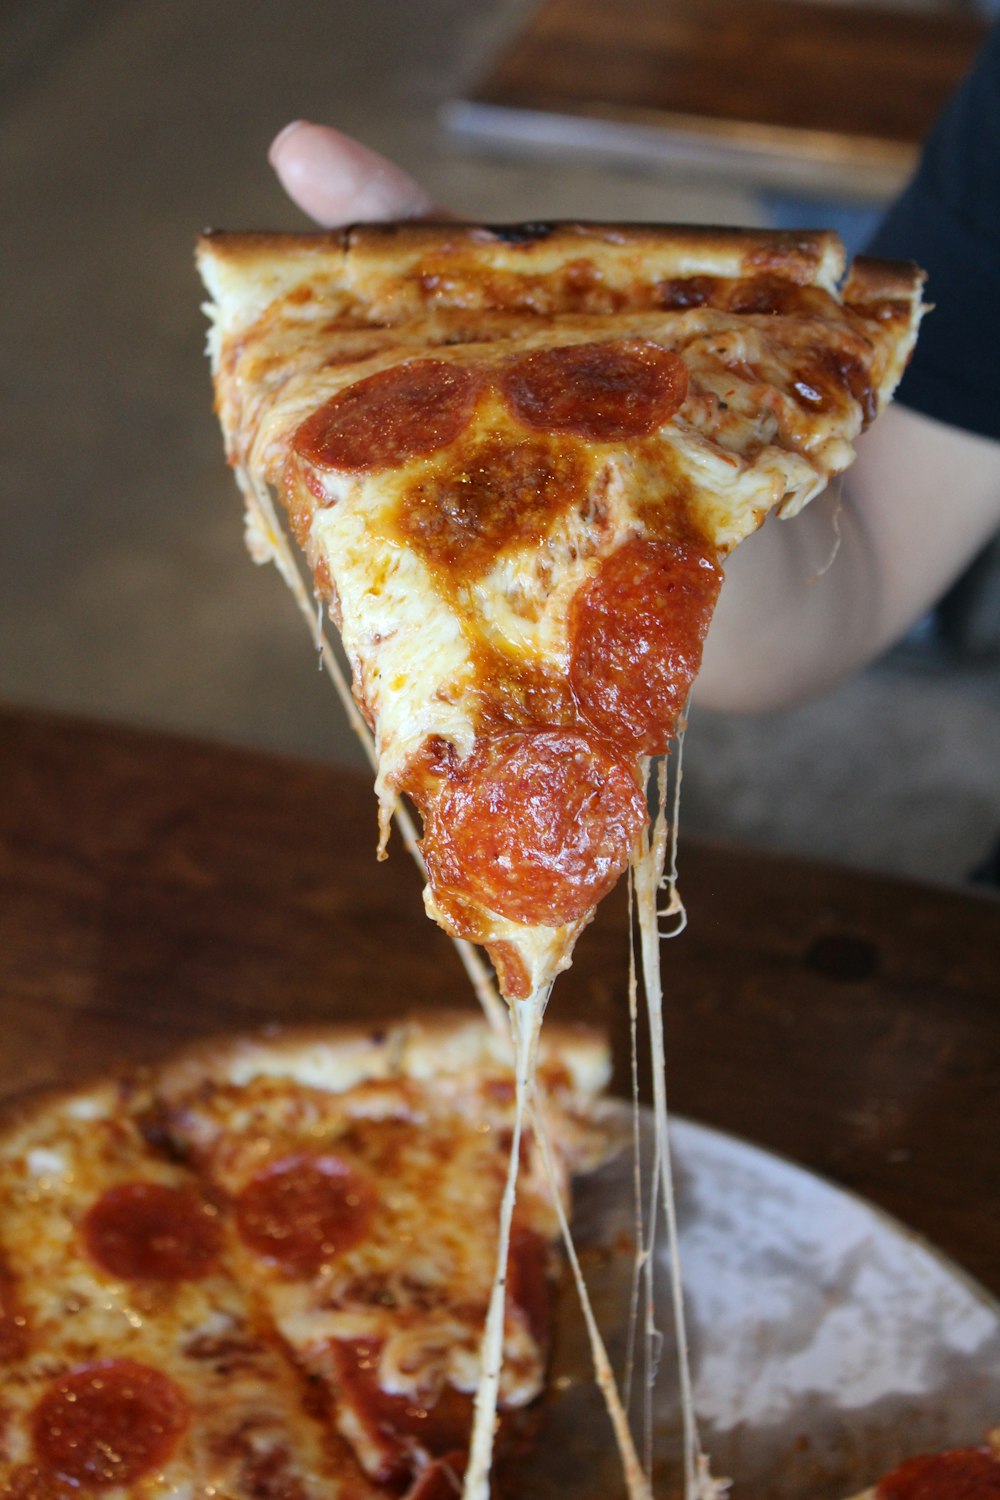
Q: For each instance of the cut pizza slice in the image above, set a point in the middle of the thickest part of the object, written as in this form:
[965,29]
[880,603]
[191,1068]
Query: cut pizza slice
[132,1361]
[515,460]
[363,1174]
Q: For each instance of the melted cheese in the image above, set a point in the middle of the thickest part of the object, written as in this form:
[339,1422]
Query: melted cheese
[435,1168]
[202,1334]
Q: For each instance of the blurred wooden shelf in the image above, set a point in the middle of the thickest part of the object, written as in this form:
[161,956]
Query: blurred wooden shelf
[825,97]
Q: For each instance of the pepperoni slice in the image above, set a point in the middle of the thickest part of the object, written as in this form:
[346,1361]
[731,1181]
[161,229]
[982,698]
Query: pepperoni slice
[604,392]
[302,1211]
[107,1424]
[406,412]
[962,1474]
[141,1230]
[537,825]
[392,1425]
[636,634]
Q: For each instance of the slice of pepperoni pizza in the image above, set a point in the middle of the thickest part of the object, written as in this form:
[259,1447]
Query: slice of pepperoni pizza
[132,1362]
[364,1179]
[515,460]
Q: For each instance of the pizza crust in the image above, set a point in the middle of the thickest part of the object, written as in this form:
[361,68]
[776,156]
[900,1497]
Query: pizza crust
[421,1047]
[573,1060]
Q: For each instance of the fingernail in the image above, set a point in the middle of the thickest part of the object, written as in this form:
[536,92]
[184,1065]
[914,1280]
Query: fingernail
[282,135]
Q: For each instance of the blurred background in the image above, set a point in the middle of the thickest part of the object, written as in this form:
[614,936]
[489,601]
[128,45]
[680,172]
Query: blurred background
[125,592]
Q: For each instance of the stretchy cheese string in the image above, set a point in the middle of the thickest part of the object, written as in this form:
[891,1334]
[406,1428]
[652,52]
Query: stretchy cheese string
[261,507]
[649,876]
[674,906]
[526,1024]
[637,1483]
[640,1261]
[836,488]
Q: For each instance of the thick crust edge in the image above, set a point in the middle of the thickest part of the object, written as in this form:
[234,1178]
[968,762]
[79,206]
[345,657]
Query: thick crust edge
[335,1057]
[421,1047]
[246,272]
[804,251]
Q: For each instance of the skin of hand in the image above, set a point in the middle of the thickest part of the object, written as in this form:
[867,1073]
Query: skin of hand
[809,601]
[336,180]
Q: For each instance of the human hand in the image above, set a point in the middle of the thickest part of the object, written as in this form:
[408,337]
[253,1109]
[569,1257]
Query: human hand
[336,180]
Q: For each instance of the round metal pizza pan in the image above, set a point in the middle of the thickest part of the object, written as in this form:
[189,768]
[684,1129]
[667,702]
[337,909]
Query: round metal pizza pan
[827,1340]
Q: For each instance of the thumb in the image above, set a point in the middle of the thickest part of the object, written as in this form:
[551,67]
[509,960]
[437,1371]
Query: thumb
[337,181]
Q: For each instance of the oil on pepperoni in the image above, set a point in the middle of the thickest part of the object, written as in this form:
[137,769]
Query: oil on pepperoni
[636,633]
[438,1421]
[149,1230]
[404,412]
[537,825]
[603,392]
[107,1424]
[962,1474]
[303,1211]
[500,495]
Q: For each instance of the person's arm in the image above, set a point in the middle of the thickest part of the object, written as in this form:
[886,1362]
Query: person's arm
[810,600]
[918,504]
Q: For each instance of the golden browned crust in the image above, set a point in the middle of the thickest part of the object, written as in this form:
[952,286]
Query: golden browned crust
[105,1095]
[420,1047]
[801,255]
[871,280]
[396,272]
[333,1057]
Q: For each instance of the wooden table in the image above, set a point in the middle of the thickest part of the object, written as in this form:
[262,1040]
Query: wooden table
[831,98]
[153,889]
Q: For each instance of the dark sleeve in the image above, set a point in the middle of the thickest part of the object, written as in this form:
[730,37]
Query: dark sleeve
[948,220]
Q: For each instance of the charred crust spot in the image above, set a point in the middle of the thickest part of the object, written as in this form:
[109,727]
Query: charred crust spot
[681,292]
[520,234]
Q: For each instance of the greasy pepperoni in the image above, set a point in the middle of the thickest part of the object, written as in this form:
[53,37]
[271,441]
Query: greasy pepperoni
[13,1323]
[107,1424]
[604,392]
[302,1211]
[636,633]
[149,1230]
[962,1474]
[410,410]
[537,825]
[439,1423]
[498,496]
